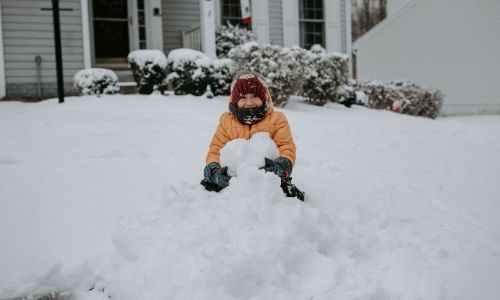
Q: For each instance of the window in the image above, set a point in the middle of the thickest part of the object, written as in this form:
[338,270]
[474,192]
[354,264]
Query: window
[142,24]
[311,23]
[231,12]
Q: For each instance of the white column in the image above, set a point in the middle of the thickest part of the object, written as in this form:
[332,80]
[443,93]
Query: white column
[260,20]
[332,25]
[290,11]
[154,34]
[207,13]
[87,62]
[2,62]
[349,33]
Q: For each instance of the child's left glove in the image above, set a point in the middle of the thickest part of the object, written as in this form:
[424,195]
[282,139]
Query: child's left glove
[281,166]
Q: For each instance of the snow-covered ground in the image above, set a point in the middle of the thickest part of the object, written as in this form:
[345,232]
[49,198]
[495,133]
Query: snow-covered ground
[103,194]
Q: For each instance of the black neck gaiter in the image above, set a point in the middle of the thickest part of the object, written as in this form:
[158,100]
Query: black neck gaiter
[249,116]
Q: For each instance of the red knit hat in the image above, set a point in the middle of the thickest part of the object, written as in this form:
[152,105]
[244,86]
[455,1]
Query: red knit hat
[248,84]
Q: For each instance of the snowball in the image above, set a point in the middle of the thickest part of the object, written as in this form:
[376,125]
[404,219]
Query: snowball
[241,153]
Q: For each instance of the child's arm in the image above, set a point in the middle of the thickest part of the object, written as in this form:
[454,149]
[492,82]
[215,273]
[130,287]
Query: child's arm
[283,138]
[219,139]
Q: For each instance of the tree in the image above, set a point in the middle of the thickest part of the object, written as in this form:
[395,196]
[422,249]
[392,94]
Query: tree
[366,14]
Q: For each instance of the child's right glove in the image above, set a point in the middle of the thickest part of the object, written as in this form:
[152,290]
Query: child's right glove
[216,175]
[281,166]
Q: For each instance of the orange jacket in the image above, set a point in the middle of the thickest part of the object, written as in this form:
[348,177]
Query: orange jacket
[231,128]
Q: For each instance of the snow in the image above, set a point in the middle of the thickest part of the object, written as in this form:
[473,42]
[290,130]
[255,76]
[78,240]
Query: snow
[148,57]
[88,81]
[180,55]
[103,193]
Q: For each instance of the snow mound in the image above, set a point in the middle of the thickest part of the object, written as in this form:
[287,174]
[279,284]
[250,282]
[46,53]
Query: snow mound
[241,154]
[247,242]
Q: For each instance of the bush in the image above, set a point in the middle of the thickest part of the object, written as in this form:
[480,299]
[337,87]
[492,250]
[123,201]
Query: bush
[402,96]
[148,68]
[222,74]
[282,68]
[324,74]
[96,81]
[190,71]
[229,36]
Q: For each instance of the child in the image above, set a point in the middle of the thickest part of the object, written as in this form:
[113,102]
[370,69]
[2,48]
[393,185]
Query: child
[250,111]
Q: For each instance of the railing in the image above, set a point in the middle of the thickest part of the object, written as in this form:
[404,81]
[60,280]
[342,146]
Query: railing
[191,38]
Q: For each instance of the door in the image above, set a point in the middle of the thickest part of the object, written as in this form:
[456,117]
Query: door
[113,30]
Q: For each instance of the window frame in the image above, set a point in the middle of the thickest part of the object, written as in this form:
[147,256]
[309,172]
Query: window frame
[303,21]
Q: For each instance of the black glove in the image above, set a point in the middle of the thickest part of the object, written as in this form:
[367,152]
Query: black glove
[281,166]
[215,177]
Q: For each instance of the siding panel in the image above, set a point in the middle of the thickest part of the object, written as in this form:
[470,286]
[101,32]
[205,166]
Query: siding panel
[178,16]
[275,22]
[28,31]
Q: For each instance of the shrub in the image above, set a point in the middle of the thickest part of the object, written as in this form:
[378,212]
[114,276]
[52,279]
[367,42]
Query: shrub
[222,74]
[96,81]
[190,71]
[282,68]
[324,74]
[229,36]
[402,96]
[148,68]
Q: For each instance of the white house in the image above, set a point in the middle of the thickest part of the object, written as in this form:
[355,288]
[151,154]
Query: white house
[452,45]
[98,33]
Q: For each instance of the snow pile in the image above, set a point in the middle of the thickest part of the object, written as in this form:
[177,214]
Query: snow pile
[241,153]
[418,220]
[247,242]
[96,81]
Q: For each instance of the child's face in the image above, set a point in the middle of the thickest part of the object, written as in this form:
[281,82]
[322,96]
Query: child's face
[250,101]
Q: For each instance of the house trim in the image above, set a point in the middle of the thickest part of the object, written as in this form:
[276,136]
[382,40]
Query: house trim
[290,13]
[154,34]
[2,62]
[207,16]
[332,26]
[87,60]
[260,21]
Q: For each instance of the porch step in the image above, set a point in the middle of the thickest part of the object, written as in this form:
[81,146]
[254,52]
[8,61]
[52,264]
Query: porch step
[127,87]
[125,76]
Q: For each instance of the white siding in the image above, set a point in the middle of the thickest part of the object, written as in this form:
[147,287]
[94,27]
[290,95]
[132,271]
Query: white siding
[394,5]
[275,22]
[176,17]
[28,32]
[452,45]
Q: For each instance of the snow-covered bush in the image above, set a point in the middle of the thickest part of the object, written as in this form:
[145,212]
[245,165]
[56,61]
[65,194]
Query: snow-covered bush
[229,36]
[222,74]
[189,71]
[148,68]
[324,73]
[402,96]
[282,68]
[96,81]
